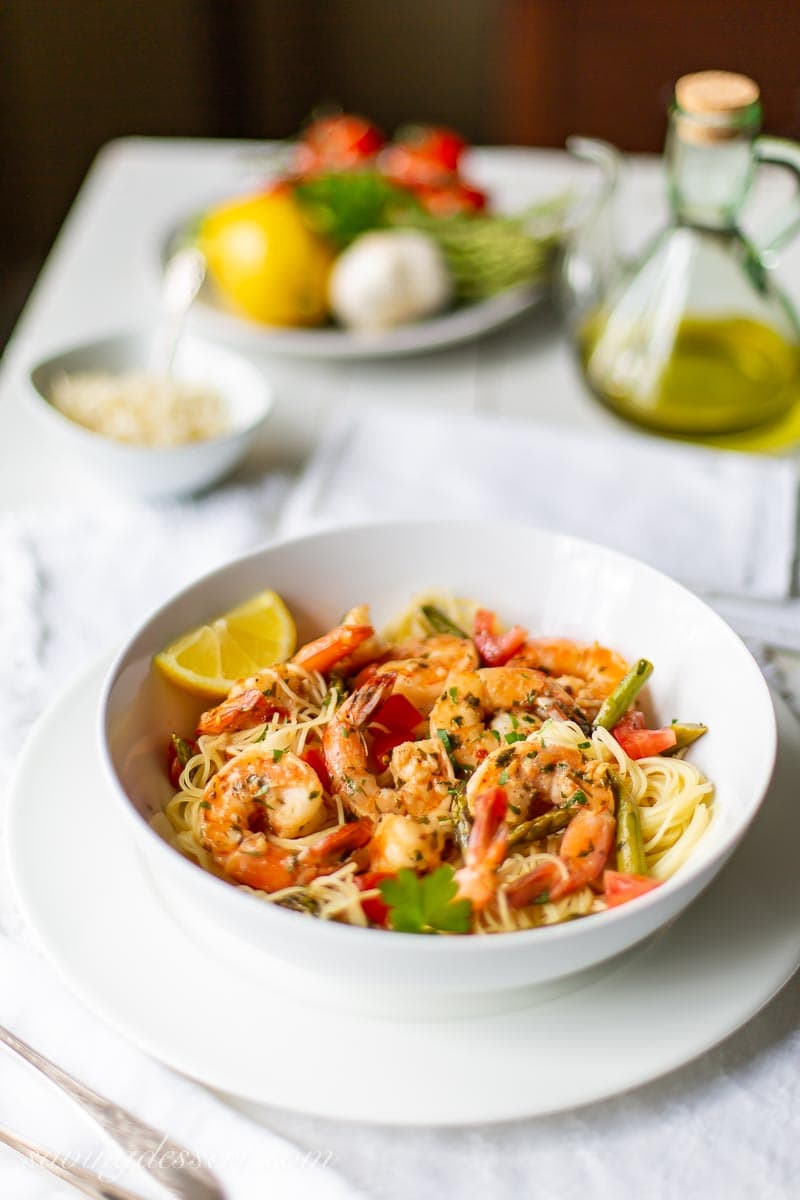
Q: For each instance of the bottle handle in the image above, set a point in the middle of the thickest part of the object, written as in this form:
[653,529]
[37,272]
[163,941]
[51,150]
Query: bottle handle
[785,224]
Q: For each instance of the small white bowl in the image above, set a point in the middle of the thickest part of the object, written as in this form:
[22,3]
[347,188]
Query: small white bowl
[551,584]
[155,471]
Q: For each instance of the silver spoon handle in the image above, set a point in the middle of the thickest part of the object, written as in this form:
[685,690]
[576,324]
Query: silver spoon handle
[183,278]
[85,1181]
[153,1151]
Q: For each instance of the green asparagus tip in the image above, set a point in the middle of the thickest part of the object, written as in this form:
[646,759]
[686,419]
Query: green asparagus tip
[617,704]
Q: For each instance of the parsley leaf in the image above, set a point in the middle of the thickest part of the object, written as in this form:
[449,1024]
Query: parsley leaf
[427,904]
[445,739]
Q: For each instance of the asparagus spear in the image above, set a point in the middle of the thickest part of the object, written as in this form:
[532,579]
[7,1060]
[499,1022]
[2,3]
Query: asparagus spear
[685,735]
[440,622]
[630,847]
[183,750]
[541,826]
[617,704]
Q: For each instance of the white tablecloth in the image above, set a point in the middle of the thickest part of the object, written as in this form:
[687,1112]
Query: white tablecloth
[720,1129]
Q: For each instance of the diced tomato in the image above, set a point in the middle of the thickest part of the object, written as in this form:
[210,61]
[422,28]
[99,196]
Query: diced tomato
[435,142]
[381,749]
[620,888]
[338,143]
[174,767]
[496,649]
[426,155]
[638,742]
[395,722]
[375,910]
[451,200]
[399,714]
[632,720]
[408,168]
[174,764]
[316,760]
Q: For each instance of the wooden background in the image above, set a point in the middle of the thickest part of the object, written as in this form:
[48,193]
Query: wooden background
[75,73]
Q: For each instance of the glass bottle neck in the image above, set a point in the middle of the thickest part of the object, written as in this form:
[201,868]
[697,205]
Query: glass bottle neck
[708,182]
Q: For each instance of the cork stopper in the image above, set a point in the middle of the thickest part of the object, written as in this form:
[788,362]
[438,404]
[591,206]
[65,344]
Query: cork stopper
[716,106]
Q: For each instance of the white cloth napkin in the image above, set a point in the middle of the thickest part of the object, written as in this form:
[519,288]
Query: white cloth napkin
[248,1160]
[724,523]
[74,582]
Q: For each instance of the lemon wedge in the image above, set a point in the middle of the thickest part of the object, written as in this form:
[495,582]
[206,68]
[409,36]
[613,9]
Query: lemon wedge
[208,660]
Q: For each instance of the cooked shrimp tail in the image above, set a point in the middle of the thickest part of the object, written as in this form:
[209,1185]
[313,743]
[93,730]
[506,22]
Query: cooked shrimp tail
[488,842]
[247,709]
[583,854]
[261,864]
[326,651]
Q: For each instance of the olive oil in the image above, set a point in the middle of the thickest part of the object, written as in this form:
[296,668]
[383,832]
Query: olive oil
[722,375]
[695,338]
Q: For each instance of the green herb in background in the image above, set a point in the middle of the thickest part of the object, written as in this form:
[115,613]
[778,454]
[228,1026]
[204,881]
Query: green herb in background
[487,254]
[343,205]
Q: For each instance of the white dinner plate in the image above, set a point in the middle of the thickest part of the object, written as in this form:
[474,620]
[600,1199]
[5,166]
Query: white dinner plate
[514,179]
[231,1025]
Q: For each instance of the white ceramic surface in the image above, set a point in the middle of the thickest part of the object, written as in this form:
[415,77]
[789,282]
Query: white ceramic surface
[159,471]
[83,889]
[549,583]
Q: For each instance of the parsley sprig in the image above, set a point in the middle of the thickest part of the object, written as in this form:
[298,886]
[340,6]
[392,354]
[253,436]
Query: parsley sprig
[425,904]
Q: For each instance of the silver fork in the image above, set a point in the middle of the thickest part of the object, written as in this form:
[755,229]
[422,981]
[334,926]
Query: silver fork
[85,1181]
[175,1167]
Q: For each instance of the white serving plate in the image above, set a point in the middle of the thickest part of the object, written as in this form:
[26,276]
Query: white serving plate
[549,583]
[85,893]
[514,179]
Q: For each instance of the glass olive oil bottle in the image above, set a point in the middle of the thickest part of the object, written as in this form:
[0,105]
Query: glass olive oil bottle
[697,339]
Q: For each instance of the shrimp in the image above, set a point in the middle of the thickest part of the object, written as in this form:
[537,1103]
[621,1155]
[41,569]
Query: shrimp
[421,667]
[326,651]
[261,864]
[486,849]
[257,793]
[465,710]
[584,848]
[588,672]
[421,771]
[244,709]
[284,687]
[401,841]
[535,778]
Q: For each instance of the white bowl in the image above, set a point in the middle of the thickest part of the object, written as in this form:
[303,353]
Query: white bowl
[159,471]
[550,583]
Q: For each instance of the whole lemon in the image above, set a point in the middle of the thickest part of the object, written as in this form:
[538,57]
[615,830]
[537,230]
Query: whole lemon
[265,260]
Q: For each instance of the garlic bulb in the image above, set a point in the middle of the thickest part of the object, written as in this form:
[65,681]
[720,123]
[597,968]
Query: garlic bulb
[388,277]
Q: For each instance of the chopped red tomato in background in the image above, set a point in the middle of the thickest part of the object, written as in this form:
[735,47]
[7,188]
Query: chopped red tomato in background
[399,714]
[620,888]
[375,909]
[451,200]
[174,763]
[434,142]
[638,742]
[381,749]
[338,142]
[496,649]
[397,720]
[316,760]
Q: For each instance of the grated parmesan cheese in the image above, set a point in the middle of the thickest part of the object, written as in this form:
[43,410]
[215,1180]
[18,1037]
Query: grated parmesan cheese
[141,408]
